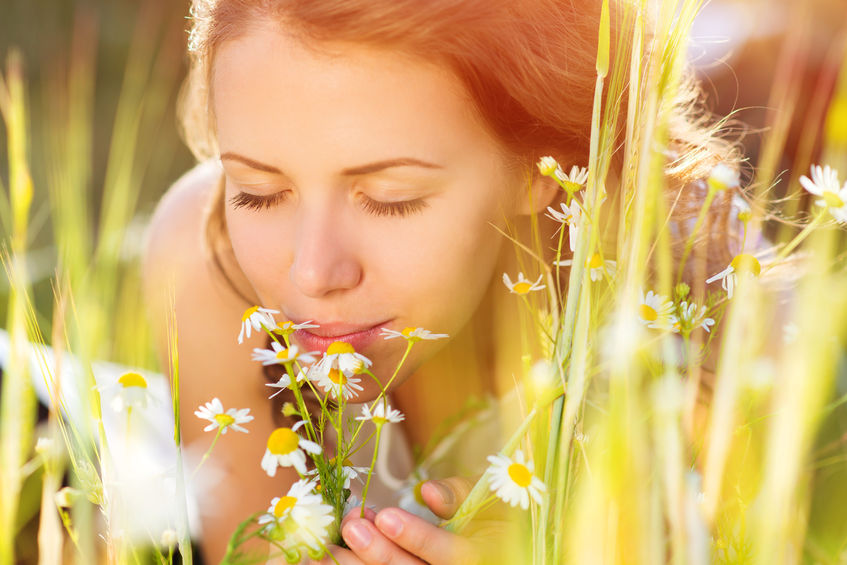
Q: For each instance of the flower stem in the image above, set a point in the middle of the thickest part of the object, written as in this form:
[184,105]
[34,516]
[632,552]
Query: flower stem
[371,470]
[798,239]
[208,451]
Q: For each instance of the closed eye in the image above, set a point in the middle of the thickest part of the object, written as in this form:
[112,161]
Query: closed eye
[371,206]
[256,202]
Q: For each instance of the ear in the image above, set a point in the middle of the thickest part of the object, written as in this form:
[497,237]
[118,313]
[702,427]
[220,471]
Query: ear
[538,195]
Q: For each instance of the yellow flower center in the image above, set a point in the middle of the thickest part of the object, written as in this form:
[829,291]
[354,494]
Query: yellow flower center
[339,347]
[832,200]
[408,331]
[283,505]
[522,287]
[520,475]
[249,312]
[337,377]
[283,441]
[417,490]
[649,313]
[282,354]
[132,379]
[224,420]
[571,186]
[380,420]
[746,263]
[595,262]
[284,328]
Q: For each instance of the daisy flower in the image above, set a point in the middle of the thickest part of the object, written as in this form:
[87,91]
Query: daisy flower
[547,166]
[691,317]
[132,392]
[743,213]
[573,181]
[655,311]
[256,318]
[300,518]
[572,216]
[288,327]
[412,335]
[723,177]
[743,263]
[824,183]
[343,356]
[522,285]
[232,418]
[285,381]
[348,471]
[282,355]
[382,414]
[337,383]
[596,266]
[411,499]
[287,449]
[512,480]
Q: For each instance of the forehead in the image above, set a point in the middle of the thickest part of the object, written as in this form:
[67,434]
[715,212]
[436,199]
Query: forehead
[272,93]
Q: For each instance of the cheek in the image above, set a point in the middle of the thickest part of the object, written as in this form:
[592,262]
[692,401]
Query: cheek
[262,261]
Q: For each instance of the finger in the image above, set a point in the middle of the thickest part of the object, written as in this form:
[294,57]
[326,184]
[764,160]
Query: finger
[446,495]
[357,513]
[372,547]
[422,539]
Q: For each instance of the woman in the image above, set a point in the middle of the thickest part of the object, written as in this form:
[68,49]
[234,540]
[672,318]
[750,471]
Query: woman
[358,157]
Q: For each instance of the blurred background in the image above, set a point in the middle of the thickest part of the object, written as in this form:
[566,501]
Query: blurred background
[103,79]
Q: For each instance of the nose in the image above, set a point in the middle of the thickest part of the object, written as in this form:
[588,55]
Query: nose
[324,259]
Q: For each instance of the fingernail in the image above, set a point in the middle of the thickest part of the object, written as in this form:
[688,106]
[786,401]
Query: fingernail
[445,491]
[390,523]
[357,535]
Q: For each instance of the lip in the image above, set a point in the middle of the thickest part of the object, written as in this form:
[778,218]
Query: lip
[360,336]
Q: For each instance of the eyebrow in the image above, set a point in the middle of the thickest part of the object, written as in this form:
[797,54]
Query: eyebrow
[352,171]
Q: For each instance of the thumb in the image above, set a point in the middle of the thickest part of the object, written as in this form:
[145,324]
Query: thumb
[444,496]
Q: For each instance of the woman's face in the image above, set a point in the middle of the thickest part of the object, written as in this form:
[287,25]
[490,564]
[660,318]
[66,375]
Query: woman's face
[361,190]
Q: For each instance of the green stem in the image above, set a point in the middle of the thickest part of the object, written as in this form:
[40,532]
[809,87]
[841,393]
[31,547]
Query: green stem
[208,451]
[371,470]
[689,243]
[798,239]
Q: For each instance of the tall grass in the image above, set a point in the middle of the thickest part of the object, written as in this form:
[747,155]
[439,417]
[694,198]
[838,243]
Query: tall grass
[639,467]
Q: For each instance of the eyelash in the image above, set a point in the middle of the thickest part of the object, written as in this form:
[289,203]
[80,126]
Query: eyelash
[371,206]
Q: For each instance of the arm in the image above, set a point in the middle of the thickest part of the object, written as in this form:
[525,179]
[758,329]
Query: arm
[211,363]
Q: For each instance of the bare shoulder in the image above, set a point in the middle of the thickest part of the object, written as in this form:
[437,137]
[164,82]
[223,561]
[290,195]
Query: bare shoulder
[180,279]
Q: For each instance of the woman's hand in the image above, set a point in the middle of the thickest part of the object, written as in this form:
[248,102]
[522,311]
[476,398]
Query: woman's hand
[394,536]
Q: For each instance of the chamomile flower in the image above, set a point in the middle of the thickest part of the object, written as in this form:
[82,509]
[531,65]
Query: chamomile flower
[412,335]
[282,355]
[723,177]
[285,381]
[691,316]
[131,392]
[287,449]
[741,264]
[348,471]
[522,285]
[596,265]
[570,215]
[512,480]
[655,311]
[382,414]
[342,356]
[288,327]
[256,318]
[300,518]
[573,181]
[824,183]
[337,383]
[547,166]
[411,499]
[232,418]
